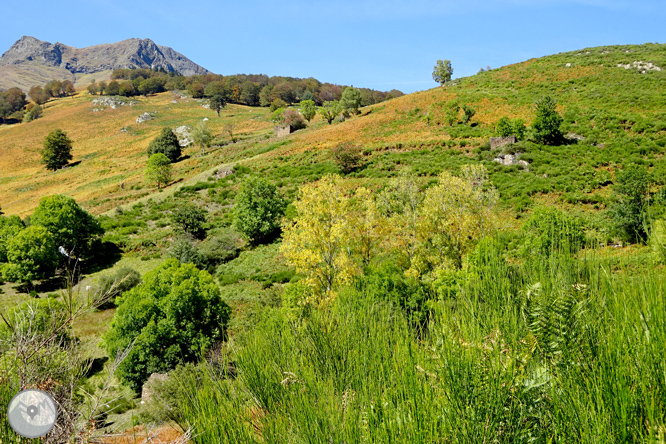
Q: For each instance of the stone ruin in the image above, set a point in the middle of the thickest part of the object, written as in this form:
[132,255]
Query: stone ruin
[283,131]
[499,142]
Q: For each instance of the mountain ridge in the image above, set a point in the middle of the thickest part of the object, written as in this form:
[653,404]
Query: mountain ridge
[30,61]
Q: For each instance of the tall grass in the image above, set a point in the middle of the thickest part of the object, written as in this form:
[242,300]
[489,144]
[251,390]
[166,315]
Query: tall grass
[557,349]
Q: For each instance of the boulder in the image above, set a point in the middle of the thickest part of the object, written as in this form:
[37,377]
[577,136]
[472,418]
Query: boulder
[184,136]
[145,117]
[147,390]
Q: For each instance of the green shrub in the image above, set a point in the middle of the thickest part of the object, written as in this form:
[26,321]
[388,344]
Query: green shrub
[190,219]
[173,317]
[114,285]
[258,210]
[186,253]
[629,209]
[549,229]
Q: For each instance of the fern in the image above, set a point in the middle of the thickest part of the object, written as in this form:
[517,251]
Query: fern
[557,323]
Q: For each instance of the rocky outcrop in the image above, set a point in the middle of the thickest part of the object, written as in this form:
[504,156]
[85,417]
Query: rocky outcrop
[113,102]
[184,136]
[641,67]
[145,117]
[511,159]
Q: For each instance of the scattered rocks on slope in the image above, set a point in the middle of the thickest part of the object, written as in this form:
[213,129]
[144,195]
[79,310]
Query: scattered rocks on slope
[184,136]
[511,159]
[112,102]
[642,67]
[146,117]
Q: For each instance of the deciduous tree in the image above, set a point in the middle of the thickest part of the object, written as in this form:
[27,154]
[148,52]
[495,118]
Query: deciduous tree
[442,72]
[258,210]
[202,135]
[173,317]
[166,143]
[158,170]
[57,150]
[547,122]
[72,227]
[308,109]
[319,241]
[329,111]
[350,101]
[31,255]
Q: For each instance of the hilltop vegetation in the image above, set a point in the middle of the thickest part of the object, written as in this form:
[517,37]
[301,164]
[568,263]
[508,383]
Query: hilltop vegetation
[389,275]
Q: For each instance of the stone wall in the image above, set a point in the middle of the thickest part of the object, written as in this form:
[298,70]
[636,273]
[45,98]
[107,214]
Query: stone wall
[282,131]
[498,142]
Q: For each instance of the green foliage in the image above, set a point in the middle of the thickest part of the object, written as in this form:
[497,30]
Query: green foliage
[442,72]
[32,112]
[330,110]
[549,230]
[190,219]
[166,143]
[217,102]
[173,317]
[258,210]
[72,227]
[504,127]
[451,113]
[308,109]
[10,226]
[468,113]
[277,104]
[350,101]
[202,135]
[546,125]
[629,210]
[158,169]
[57,151]
[114,285]
[186,253]
[31,255]
[347,157]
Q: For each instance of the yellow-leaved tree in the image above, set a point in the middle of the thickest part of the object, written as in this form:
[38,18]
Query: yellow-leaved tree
[370,226]
[319,243]
[456,213]
[400,204]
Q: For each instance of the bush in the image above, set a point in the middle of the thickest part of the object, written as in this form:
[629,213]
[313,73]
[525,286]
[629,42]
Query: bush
[190,219]
[277,104]
[220,248]
[258,210]
[628,212]
[186,253]
[548,230]
[114,285]
[547,122]
[166,143]
[294,119]
[347,157]
[173,317]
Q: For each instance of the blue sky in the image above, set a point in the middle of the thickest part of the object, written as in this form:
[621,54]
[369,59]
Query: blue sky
[365,43]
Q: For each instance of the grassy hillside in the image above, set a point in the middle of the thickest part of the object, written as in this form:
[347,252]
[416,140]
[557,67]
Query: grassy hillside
[515,346]
[619,113]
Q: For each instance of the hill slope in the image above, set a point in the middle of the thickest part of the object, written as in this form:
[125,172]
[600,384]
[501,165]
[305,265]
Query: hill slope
[616,112]
[31,62]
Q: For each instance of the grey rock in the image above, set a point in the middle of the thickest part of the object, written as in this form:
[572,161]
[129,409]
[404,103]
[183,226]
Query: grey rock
[184,136]
[145,117]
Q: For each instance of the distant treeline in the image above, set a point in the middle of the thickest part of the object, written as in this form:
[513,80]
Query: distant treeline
[245,89]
